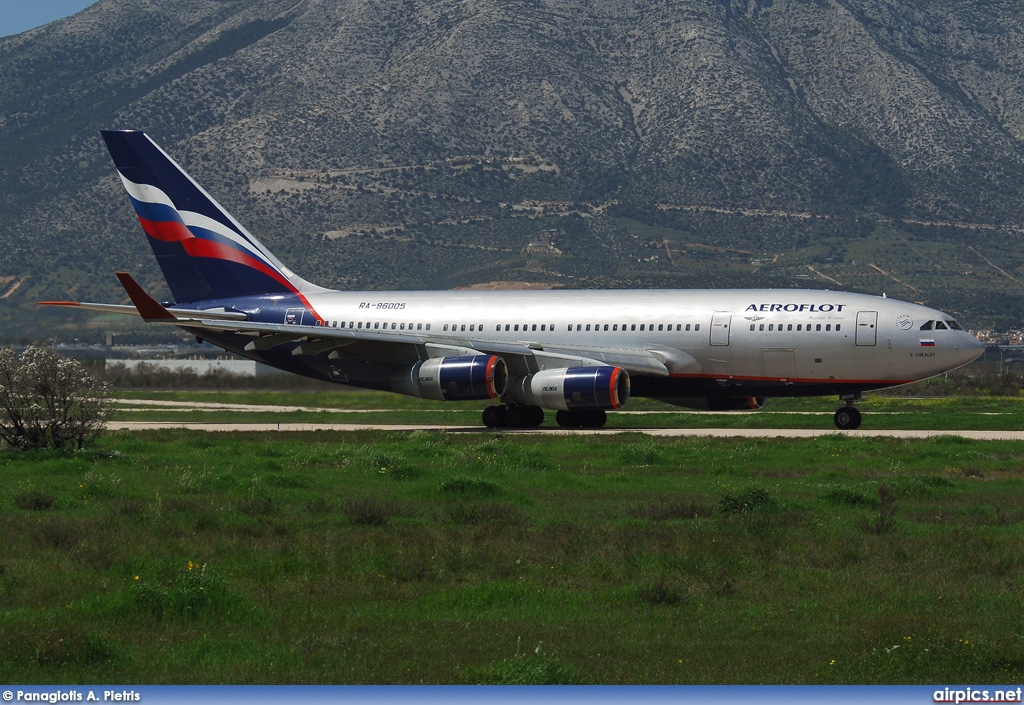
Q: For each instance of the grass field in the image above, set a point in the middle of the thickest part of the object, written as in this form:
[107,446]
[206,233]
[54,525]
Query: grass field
[376,557]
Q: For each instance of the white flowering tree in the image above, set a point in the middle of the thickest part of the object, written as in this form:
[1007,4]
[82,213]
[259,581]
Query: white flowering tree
[48,400]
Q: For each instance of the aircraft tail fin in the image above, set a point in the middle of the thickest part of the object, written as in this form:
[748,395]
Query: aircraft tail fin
[203,251]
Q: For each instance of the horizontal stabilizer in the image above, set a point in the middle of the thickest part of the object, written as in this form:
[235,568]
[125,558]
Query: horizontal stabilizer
[149,308]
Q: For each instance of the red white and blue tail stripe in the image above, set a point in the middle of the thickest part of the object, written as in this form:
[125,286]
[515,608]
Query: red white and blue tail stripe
[204,253]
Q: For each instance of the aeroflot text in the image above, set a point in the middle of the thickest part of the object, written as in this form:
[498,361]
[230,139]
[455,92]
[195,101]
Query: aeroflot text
[790,308]
[973,695]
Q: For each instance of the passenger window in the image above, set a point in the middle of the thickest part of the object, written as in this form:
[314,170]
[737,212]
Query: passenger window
[761,327]
[428,326]
[771,327]
[828,327]
[817,327]
[588,326]
[789,327]
[641,326]
[697,327]
[579,327]
[606,326]
[837,327]
[463,327]
[661,326]
[633,327]
[687,326]
[751,326]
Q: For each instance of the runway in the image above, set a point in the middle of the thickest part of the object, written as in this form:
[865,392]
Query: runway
[657,432]
[824,419]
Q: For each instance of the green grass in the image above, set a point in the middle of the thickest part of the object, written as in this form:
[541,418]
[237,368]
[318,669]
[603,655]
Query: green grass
[376,557]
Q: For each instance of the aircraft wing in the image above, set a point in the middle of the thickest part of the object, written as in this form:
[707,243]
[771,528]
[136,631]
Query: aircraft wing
[390,347]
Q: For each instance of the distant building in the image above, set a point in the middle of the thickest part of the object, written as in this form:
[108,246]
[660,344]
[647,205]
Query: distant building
[242,368]
[543,246]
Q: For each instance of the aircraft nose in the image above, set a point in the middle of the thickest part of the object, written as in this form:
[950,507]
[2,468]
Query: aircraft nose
[970,348]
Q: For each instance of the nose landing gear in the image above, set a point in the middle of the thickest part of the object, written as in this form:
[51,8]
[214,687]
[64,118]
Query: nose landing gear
[847,418]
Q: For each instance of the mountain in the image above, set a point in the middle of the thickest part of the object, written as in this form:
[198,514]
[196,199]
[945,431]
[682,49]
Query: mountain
[873,145]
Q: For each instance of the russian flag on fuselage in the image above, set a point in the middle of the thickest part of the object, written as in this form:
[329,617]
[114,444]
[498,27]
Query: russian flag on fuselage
[202,250]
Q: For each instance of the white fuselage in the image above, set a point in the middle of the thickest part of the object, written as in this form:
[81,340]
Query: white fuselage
[779,336]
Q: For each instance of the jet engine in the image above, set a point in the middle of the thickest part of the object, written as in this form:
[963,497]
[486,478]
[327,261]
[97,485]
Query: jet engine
[717,403]
[598,387]
[452,378]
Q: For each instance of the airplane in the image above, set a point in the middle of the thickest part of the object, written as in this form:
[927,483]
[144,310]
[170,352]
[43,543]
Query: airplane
[580,353]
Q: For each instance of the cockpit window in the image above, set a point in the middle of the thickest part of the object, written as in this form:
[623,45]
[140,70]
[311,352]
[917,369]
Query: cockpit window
[939,325]
[954,325]
[928,325]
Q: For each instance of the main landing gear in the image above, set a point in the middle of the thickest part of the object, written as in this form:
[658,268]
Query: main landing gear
[513,416]
[521,416]
[847,418]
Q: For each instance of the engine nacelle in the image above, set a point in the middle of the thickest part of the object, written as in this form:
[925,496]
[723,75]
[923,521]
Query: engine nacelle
[598,387]
[717,403]
[452,378]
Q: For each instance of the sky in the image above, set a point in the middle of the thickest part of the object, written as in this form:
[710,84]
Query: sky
[18,16]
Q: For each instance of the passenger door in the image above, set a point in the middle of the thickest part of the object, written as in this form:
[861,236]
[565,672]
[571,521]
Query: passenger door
[720,323]
[867,324]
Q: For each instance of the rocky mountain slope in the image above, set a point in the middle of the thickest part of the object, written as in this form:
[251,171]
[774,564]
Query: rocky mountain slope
[864,144]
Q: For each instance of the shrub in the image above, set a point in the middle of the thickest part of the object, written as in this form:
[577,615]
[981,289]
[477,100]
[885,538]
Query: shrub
[48,400]
[34,500]
[662,592]
[367,511]
[748,500]
[461,485]
[886,512]
[526,669]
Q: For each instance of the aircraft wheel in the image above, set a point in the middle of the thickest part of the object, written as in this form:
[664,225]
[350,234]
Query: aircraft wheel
[494,417]
[597,418]
[536,416]
[516,416]
[847,418]
[566,419]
